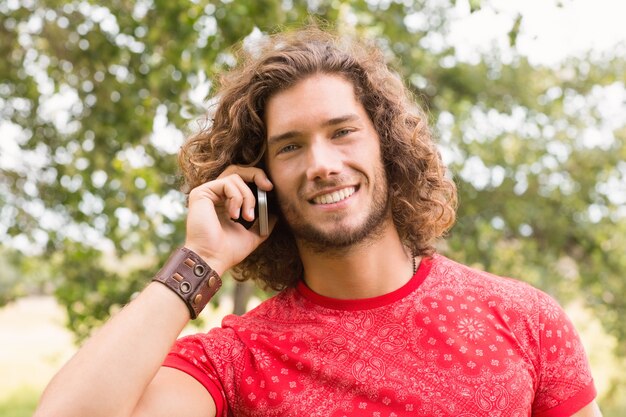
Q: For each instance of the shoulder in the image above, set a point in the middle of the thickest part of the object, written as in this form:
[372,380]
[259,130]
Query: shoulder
[525,308]
[448,273]
[277,314]
[284,306]
[227,343]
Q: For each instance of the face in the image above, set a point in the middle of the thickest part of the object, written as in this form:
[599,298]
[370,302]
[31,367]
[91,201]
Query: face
[324,159]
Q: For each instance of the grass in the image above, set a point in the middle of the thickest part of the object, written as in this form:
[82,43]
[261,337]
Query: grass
[21,403]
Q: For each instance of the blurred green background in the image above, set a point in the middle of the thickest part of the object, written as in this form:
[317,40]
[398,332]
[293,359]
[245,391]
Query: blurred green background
[97,97]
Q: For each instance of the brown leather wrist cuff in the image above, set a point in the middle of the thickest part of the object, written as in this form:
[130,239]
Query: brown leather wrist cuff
[192,279]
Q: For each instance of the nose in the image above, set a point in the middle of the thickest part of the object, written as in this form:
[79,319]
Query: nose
[323,160]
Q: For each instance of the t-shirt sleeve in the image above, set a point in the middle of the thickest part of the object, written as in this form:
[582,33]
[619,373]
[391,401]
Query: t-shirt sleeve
[188,355]
[565,384]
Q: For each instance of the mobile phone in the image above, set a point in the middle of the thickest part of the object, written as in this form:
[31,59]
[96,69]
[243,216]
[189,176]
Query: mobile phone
[260,211]
[262,205]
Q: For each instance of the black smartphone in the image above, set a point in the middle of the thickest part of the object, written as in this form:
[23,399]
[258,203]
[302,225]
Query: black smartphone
[260,211]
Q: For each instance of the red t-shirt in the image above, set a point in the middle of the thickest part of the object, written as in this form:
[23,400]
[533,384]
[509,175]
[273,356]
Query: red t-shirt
[453,341]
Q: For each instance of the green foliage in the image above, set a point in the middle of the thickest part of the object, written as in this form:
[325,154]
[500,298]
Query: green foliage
[22,275]
[89,291]
[10,279]
[537,201]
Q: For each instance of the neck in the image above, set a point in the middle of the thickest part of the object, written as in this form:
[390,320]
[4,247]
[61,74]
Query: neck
[366,270]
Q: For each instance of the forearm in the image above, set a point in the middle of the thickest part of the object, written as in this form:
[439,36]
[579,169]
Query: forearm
[110,372]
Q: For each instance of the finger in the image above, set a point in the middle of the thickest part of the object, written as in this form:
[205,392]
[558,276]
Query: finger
[249,174]
[234,199]
[262,181]
[248,198]
[231,193]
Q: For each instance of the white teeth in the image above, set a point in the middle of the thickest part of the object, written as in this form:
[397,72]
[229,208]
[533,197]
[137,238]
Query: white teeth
[335,196]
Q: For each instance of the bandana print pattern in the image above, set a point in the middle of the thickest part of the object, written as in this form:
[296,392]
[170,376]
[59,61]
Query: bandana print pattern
[458,343]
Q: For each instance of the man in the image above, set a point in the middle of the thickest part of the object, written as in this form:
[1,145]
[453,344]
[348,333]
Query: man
[369,320]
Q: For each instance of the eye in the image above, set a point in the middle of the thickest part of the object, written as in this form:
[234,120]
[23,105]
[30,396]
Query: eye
[342,132]
[288,148]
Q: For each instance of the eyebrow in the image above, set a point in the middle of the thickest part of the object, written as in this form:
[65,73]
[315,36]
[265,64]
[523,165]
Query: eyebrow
[330,122]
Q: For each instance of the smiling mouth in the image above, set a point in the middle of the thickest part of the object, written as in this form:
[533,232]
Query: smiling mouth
[335,196]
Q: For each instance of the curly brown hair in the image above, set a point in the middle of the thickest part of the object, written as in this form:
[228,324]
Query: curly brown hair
[423,199]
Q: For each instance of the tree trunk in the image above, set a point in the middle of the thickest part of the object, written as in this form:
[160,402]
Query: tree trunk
[243,291]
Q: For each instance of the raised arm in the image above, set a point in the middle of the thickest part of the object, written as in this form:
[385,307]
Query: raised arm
[118,370]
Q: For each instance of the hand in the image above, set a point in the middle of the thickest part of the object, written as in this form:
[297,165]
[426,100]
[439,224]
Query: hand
[211,233]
